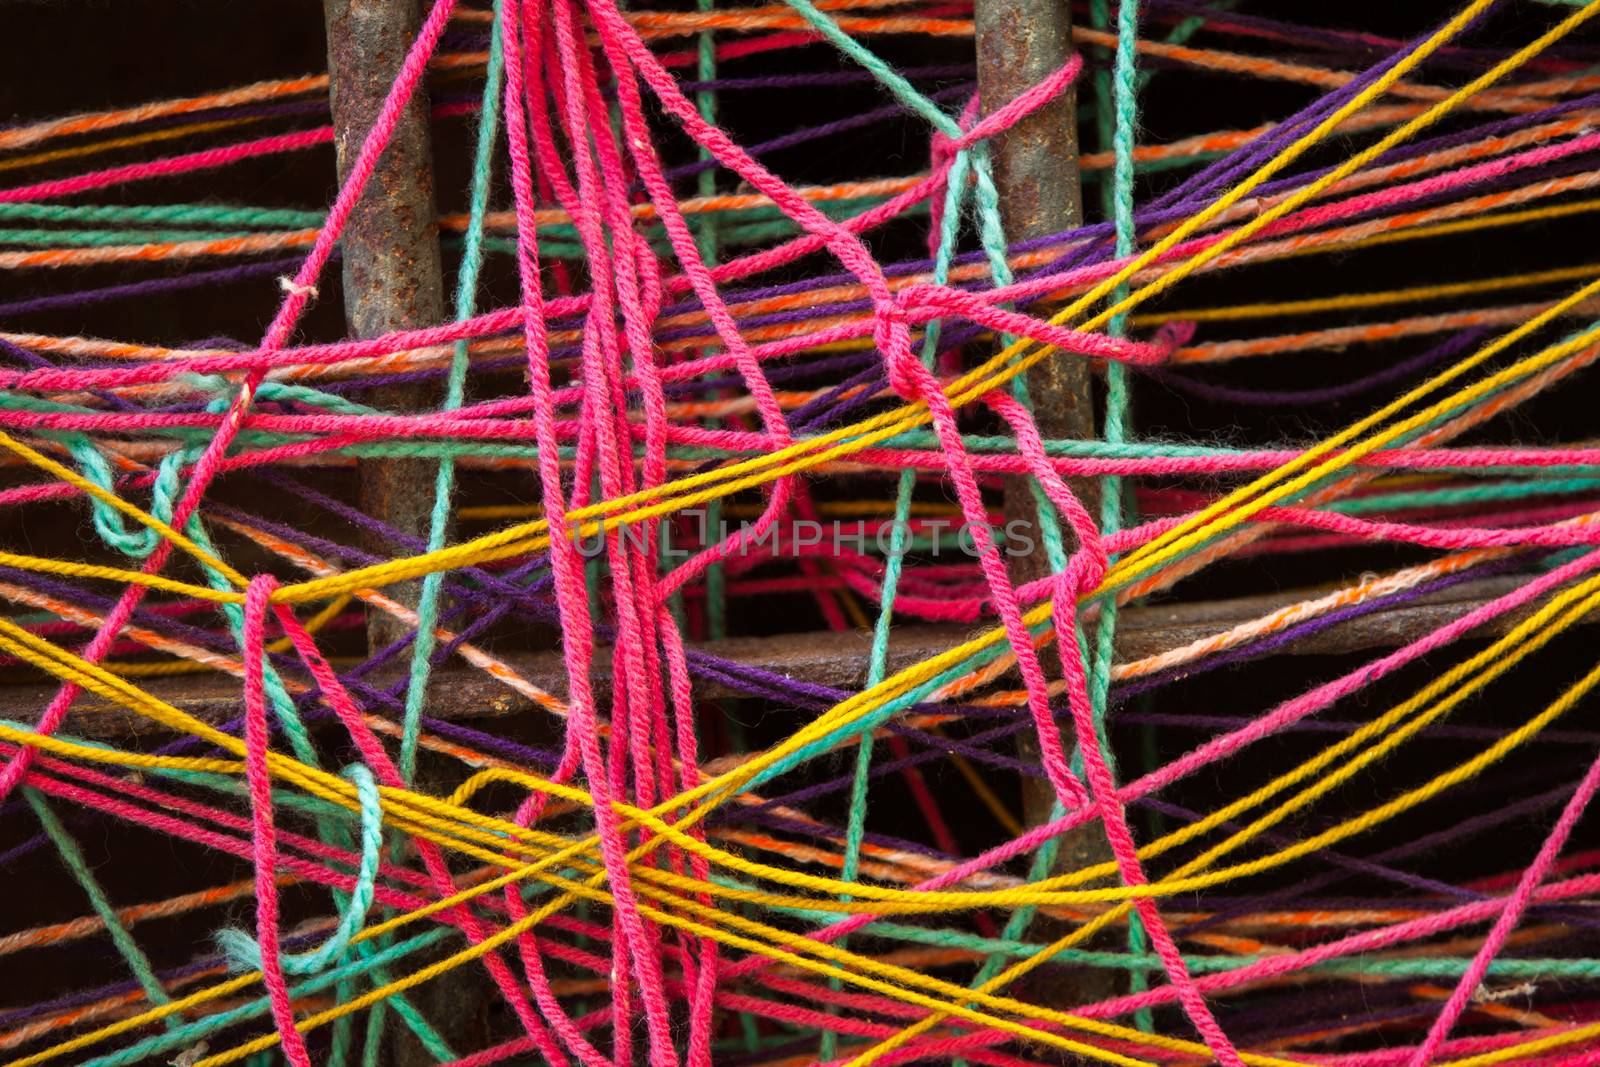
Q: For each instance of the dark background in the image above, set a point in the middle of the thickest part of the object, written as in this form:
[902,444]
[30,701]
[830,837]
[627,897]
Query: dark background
[60,58]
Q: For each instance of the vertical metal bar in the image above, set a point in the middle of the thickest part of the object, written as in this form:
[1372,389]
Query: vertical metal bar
[1019,43]
[393,281]
[392,275]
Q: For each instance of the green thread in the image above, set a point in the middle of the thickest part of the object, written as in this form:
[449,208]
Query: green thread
[100,238]
[455,387]
[73,859]
[424,637]
[162,214]
[242,950]
[992,238]
[193,1033]
[1356,967]
[327,815]
[877,668]
[1117,98]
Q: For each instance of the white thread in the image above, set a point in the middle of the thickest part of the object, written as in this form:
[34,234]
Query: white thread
[289,285]
[1484,995]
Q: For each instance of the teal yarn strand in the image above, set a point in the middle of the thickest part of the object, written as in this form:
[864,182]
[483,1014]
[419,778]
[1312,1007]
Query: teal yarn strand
[897,84]
[108,238]
[1117,98]
[73,859]
[708,238]
[1119,91]
[108,522]
[294,729]
[455,389]
[991,232]
[992,238]
[877,668]
[242,951]
[161,214]
[191,1034]
[423,639]
[706,103]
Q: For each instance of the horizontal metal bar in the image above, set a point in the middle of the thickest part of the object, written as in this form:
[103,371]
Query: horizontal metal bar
[834,659]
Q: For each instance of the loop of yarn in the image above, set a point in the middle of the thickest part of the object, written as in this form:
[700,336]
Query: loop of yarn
[244,952]
[599,430]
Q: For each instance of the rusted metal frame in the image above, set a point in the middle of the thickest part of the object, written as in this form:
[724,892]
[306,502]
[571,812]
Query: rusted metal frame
[836,659]
[1019,44]
[390,246]
[393,280]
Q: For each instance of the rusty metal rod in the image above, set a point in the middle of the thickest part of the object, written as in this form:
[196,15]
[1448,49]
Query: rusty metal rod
[1020,43]
[828,658]
[391,270]
[393,281]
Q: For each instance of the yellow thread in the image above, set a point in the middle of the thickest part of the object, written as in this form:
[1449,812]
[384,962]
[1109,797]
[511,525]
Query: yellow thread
[517,540]
[1351,301]
[133,141]
[1158,549]
[133,511]
[1004,366]
[1390,809]
[1380,727]
[1218,517]
[843,714]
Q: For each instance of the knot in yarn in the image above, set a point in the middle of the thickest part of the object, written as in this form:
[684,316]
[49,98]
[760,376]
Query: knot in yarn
[908,376]
[1171,336]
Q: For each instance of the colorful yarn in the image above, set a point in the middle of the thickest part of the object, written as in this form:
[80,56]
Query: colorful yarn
[771,405]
